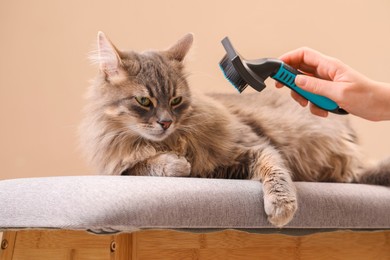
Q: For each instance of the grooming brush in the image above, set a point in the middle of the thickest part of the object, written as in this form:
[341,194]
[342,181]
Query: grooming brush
[241,73]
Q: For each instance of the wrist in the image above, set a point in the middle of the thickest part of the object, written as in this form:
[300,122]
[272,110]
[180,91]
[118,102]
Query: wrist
[382,100]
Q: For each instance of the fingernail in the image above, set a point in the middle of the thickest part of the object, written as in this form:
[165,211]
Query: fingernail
[300,80]
[303,103]
[324,114]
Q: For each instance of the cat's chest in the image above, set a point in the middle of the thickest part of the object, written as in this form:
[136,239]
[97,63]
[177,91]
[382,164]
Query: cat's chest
[178,145]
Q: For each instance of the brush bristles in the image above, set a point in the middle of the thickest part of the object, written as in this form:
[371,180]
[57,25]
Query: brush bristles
[232,75]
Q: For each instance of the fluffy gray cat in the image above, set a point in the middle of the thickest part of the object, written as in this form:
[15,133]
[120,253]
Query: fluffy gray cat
[141,119]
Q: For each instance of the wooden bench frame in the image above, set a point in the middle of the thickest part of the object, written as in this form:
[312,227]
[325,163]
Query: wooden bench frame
[169,244]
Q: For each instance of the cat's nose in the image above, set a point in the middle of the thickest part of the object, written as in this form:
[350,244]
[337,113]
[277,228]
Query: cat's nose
[165,124]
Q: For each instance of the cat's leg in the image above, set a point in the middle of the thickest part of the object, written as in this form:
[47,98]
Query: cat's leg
[280,200]
[162,164]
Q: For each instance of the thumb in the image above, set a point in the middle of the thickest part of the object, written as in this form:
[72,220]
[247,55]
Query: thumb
[317,86]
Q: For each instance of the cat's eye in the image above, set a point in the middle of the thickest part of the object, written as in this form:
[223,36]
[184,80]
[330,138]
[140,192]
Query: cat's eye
[176,101]
[144,101]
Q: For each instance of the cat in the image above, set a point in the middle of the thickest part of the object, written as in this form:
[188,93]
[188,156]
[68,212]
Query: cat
[142,119]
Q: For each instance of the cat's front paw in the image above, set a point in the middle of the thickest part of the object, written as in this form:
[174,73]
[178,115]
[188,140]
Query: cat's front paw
[174,165]
[280,208]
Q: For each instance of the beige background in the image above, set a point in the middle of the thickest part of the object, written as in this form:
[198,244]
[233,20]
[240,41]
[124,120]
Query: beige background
[44,70]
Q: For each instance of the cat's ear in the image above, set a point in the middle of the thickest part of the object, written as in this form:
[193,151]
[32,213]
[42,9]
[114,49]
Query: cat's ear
[108,57]
[179,50]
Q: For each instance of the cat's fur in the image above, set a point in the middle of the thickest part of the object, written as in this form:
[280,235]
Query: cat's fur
[263,136]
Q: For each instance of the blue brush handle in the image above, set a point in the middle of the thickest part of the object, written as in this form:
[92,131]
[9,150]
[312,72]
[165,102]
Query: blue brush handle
[286,75]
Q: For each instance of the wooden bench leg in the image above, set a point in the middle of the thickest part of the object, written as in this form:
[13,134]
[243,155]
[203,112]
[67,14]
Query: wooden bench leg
[7,245]
[64,244]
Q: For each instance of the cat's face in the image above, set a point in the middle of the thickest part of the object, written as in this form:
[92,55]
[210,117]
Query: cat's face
[145,94]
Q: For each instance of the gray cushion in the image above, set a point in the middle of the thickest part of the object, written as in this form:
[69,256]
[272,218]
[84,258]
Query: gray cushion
[127,203]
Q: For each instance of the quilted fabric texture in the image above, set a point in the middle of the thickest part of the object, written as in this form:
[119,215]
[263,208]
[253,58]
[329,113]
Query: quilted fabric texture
[128,203]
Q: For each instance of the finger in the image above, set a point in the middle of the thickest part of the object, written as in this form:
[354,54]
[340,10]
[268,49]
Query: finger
[303,58]
[318,86]
[278,84]
[318,111]
[298,98]
[312,62]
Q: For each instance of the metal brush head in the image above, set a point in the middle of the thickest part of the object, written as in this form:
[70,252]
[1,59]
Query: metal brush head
[237,71]
[231,74]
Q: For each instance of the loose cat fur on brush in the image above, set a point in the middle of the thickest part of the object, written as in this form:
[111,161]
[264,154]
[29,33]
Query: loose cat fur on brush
[142,119]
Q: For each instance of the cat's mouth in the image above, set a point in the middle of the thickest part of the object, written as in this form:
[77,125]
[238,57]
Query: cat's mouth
[157,134]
